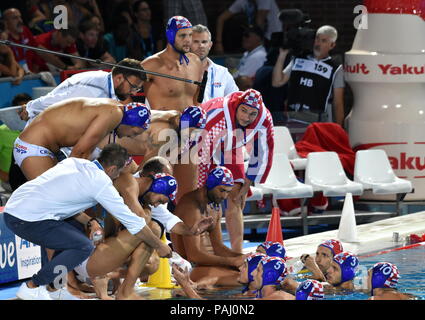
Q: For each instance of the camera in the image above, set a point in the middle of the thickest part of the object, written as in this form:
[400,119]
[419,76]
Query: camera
[296,35]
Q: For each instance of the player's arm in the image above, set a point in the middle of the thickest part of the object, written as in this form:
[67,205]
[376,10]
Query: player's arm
[128,188]
[104,123]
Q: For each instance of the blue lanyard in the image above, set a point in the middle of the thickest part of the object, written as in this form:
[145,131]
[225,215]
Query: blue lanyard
[212,82]
[110,85]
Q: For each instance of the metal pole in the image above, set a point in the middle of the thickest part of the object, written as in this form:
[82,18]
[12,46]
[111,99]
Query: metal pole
[98,61]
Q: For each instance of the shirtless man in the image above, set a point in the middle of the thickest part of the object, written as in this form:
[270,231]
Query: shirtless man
[168,94]
[133,190]
[211,257]
[70,187]
[116,250]
[165,124]
[80,123]
[382,283]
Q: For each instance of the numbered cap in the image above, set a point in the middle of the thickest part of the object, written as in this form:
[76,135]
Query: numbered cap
[348,263]
[253,260]
[164,184]
[193,117]
[136,114]
[274,249]
[310,290]
[384,275]
[274,270]
[219,176]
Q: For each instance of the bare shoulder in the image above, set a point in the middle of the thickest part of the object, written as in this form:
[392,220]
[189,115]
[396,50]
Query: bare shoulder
[153,60]
[187,204]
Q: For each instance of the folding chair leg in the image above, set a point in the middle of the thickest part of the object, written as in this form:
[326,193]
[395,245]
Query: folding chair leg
[304,220]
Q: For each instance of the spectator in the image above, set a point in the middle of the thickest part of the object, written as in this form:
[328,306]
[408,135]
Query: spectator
[117,41]
[263,13]
[81,9]
[146,39]
[62,40]
[252,59]
[34,16]
[19,33]
[220,82]
[8,65]
[314,80]
[90,46]
[193,10]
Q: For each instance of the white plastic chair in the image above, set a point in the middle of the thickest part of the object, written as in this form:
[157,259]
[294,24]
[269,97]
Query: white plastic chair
[285,144]
[282,182]
[373,170]
[324,172]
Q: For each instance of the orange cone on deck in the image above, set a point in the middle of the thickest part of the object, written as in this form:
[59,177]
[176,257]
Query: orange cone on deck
[274,233]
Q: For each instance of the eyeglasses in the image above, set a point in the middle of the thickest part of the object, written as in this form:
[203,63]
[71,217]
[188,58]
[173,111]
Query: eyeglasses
[133,88]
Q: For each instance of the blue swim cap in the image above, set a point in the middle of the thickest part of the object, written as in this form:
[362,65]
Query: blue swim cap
[348,263]
[274,270]
[175,24]
[253,261]
[164,184]
[219,176]
[136,114]
[384,275]
[274,249]
[193,117]
[310,290]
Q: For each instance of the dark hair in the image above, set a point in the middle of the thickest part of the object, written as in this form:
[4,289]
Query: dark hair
[113,155]
[137,3]
[21,98]
[2,26]
[155,165]
[133,63]
[71,31]
[86,24]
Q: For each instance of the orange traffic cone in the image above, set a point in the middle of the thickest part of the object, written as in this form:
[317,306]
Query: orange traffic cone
[274,233]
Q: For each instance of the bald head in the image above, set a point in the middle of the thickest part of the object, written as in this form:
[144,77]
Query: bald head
[13,21]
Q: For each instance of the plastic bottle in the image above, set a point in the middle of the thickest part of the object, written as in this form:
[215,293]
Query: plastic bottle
[296,267]
[386,71]
[97,236]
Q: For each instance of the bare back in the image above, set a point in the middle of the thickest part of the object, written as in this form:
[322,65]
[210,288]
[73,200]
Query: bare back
[65,123]
[168,94]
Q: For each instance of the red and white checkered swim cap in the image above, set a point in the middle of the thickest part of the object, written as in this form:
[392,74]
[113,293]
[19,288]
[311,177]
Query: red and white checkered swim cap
[334,245]
[252,98]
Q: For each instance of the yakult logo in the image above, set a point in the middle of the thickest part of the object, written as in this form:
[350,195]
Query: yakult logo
[388,69]
[405,162]
[385,69]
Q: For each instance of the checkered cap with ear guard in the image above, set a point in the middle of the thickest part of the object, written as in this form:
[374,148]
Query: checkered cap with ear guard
[310,290]
[252,98]
[219,176]
[274,270]
[385,275]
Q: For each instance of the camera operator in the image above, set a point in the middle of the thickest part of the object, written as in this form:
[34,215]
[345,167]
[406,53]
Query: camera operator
[313,80]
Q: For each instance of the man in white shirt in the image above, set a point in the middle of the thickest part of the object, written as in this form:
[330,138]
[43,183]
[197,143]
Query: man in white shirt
[118,84]
[252,59]
[133,190]
[36,212]
[263,13]
[220,82]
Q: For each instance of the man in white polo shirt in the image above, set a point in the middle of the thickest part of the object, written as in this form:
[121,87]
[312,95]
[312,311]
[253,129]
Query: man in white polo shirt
[220,82]
[36,212]
[118,84]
